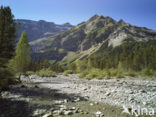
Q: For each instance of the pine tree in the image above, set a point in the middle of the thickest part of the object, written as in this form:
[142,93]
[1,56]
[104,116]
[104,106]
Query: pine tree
[7,33]
[22,58]
[7,44]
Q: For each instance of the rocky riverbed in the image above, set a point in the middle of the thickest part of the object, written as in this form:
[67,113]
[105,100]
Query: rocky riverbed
[74,97]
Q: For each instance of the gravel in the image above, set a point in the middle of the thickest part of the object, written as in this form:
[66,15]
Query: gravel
[115,92]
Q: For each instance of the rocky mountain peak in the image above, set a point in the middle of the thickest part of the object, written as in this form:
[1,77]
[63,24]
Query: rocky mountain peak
[40,29]
[67,24]
[94,17]
[88,37]
[121,21]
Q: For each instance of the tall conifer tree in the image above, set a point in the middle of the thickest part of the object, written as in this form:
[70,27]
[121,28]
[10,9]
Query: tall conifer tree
[22,58]
[7,33]
[7,44]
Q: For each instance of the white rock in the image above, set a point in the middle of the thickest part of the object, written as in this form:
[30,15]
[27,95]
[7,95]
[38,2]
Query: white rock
[73,108]
[144,103]
[98,113]
[38,112]
[58,112]
[63,107]
[55,112]
[68,112]
[107,94]
[77,100]
[47,115]
[65,100]
[58,102]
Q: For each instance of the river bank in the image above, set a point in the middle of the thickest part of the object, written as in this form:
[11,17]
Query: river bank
[63,95]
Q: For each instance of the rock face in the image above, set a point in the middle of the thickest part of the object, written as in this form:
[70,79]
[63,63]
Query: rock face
[40,29]
[87,38]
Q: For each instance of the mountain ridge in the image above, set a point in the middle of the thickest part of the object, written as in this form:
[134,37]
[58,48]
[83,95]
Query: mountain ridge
[87,37]
[40,29]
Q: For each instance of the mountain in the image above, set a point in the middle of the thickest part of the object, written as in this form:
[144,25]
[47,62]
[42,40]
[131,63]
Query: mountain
[40,29]
[88,38]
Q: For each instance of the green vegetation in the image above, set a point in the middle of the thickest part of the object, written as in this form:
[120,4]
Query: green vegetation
[22,59]
[134,56]
[6,77]
[148,72]
[7,46]
[30,73]
[46,72]
[129,59]
[101,31]
[68,72]
[43,64]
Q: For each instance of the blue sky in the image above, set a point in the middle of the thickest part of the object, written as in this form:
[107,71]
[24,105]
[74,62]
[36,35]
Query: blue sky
[136,12]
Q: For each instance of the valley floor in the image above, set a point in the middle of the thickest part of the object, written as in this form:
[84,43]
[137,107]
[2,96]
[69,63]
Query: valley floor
[74,97]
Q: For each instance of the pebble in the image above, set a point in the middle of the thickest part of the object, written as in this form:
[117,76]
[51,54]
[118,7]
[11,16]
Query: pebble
[58,102]
[73,108]
[142,91]
[65,100]
[63,107]
[99,114]
[68,112]
[52,108]
[77,100]
[76,111]
[47,115]
[58,112]
[38,112]
[144,103]
[107,94]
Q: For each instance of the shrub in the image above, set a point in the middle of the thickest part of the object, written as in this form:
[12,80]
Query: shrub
[119,76]
[68,72]
[148,72]
[130,73]
[95,73]
[113,72]
[6,78]
[46,72]
[30,73]
[83,74]
[91,75]
[81,66]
